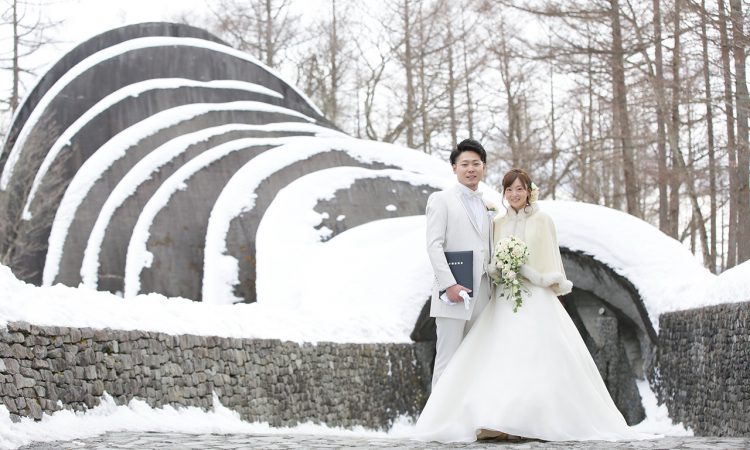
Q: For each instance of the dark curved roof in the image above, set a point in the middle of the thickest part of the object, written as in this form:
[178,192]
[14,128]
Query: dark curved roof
[109,117]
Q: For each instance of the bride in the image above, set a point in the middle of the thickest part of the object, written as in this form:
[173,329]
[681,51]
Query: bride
[526,373]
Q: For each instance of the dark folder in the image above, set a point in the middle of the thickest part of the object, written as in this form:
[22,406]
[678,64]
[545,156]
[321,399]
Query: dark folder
[462,268]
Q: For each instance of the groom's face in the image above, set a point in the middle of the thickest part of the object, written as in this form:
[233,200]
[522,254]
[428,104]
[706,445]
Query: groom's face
[469,169]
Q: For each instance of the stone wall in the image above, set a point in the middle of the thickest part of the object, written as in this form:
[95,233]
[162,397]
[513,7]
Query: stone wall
[703,368]
[44,369]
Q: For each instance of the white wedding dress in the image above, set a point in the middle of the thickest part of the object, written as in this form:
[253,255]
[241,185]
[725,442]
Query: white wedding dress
[527,374]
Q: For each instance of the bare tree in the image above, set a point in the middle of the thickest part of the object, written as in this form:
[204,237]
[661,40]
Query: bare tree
[660,120]
[265,28]
[710,134]
[675,179]
[326,61]
[731,256]
[29,31]
[743,146]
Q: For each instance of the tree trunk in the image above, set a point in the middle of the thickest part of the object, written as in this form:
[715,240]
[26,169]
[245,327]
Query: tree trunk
[16,69]
[424,93]
[333,100]
[270,52]
[711,263]
[731,255]
[452,93]
[620,110]
[661,137]
[743,149]
[697,222]
[675,178]
[409,71]
[467,80]
[553,175]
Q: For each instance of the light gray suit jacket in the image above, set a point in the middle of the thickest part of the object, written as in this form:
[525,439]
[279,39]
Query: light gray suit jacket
[451,227]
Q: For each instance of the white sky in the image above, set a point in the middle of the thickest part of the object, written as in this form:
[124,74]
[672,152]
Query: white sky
[80,20]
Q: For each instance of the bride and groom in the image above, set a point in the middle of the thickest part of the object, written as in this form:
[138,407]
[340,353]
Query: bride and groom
[500,373]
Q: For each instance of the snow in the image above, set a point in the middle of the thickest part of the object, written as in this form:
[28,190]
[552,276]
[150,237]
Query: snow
[267,319]
[279,318]
[114,149]
[133,90]
[668,277]
[731,286]
[137,416]
[657,419]
[323,308]
[112,52]
[388,275]
[138,256]
[238,197]
[150,164]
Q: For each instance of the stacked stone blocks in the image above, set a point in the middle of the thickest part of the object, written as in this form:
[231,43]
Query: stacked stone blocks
[703,368]
[45,369]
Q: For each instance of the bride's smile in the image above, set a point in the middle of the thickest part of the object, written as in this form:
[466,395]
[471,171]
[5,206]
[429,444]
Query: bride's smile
[517,195]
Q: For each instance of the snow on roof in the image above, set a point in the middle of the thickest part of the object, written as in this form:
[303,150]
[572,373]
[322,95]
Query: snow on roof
[116,148]
[144,169]
[372,279]
[132,90]
[667,276]
[138,256]
[112,52]
[239,196]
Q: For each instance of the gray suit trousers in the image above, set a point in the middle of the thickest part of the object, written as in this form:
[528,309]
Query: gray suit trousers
[450,332]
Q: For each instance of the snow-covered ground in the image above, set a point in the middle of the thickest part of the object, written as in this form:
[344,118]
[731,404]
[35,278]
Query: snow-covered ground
[137,416]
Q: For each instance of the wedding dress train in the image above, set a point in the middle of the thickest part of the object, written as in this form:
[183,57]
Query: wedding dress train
[527,374]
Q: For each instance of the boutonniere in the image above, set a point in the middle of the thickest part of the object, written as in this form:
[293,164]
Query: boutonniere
[491,208]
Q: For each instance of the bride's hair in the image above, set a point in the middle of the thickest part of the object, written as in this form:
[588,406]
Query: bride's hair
[511,176]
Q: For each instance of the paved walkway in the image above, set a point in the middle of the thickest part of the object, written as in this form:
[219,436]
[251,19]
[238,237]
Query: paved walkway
[163,441]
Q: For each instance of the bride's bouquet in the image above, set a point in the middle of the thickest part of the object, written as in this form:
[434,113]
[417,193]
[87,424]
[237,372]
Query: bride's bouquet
[510,254]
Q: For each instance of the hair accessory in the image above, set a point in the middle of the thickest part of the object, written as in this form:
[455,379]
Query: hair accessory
[534,195]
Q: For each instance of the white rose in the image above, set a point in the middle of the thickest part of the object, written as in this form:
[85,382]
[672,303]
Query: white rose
[534,196]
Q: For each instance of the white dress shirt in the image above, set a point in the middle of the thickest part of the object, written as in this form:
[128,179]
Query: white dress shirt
[473,201]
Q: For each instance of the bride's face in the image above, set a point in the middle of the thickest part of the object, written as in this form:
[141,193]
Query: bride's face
[516,194]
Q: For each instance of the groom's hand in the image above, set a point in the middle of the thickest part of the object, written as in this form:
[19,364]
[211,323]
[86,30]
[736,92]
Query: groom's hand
[452,292]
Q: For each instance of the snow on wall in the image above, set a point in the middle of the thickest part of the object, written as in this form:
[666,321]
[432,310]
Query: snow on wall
[133,90]
[144,169]
[238,196]
[113,52]
[114,149]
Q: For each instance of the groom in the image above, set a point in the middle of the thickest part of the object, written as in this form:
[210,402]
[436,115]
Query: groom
[458,220]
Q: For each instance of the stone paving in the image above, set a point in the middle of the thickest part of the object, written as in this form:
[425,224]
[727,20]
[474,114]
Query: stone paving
[164,441]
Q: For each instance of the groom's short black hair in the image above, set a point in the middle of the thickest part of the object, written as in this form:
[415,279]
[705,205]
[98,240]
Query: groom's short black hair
[468,145]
